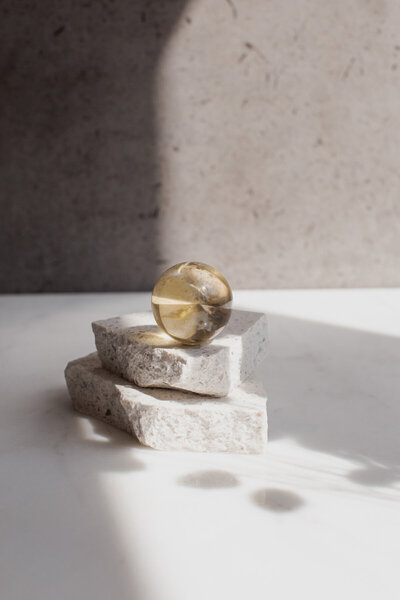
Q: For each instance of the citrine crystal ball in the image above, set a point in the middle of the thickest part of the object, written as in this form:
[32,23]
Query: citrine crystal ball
[192,302]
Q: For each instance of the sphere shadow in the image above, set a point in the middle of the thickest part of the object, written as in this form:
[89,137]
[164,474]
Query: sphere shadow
[277,500]
[209,480]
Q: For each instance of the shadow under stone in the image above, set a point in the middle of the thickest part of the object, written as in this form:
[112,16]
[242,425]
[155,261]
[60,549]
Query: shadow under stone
[277,500]
[334,390]
[209,480]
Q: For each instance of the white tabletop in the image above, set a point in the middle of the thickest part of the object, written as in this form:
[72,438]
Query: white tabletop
[86,513]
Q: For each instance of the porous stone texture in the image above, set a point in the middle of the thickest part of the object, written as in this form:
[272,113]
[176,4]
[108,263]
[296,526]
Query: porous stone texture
[135,348]
[168,419]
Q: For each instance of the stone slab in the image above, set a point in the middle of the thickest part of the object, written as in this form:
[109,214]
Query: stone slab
[135,348]
[168,419]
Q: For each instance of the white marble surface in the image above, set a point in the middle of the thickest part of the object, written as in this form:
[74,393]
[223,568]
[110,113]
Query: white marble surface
[84,513]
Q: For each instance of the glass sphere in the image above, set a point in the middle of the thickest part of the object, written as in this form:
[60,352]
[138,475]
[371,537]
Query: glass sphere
[192,302]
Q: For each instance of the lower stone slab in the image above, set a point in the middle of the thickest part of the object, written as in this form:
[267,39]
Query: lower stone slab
[167,419]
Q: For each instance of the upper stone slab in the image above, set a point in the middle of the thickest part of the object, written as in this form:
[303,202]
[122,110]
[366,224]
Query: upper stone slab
[133,347]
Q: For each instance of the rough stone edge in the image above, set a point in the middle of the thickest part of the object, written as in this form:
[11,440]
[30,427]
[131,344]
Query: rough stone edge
[119,408]
[235,362]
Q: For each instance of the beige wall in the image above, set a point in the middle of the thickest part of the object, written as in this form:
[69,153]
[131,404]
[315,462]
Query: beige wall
[280,141]
[261,136]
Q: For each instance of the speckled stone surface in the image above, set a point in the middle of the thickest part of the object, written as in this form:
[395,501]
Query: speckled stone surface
[168,419]
[135,348]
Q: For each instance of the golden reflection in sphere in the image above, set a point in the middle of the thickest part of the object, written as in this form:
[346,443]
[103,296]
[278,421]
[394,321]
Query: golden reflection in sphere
[192,302]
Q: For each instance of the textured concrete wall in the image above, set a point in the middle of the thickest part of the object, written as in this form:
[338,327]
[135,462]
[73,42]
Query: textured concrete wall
[262,137]
[78,167]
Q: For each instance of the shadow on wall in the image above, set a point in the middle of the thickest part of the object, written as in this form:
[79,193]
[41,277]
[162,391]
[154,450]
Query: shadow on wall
[338,396]
[79,172]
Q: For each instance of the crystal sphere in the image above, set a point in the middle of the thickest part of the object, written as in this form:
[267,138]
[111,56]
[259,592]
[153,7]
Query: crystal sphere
[192,302]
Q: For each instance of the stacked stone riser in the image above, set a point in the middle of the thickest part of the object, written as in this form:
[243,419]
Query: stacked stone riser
[169,396]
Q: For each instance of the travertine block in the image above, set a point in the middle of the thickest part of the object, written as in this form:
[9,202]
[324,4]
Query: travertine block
[135,348]
[169,419]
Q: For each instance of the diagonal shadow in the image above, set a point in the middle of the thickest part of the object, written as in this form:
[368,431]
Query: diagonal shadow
[58,519]
[336,390]
[81,193]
